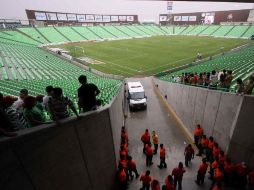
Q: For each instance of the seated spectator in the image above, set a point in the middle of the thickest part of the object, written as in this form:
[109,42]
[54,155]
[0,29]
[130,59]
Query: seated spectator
[228,79]
[18,105]
[240,86]
[207,79]
[87,95]
[6,128]
[33,115]
[49,90]
[249,85]
[196,78]
[39,102]
[58,105]
[17,120]
[200,79]
[213,80]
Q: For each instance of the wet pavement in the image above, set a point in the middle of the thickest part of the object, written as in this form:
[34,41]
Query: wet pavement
[158,118]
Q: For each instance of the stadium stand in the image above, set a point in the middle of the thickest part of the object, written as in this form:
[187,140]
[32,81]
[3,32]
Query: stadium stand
[87,34]
[52,34]
[34,34]
[249,32]
[113,30]
[103,34]
[237,31]
[197,30]
[222,31]
[70,33]
[240,62]
[209,30]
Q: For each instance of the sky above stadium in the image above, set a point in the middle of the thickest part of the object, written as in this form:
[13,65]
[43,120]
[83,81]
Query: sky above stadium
[147,10]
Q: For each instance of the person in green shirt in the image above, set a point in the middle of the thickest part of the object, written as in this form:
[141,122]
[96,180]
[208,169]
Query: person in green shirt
[33,115]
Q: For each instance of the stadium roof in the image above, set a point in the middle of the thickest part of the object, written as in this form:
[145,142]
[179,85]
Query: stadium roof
[235,1]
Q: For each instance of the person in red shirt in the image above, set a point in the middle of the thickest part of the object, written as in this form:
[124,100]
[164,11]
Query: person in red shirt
[222,158]
[123,152]
[218,186]
[155,185]
[162,157]
[178,175]
[203,145]
[146,180]
[169,185]
[198,134]
[201,172]
[241,174]
[145,138]
[189,154]
[149,154]
[122,178]
[216,150]
[218,176]
[131,166]
[213,166]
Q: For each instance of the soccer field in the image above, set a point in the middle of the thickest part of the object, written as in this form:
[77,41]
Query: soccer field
[147,56]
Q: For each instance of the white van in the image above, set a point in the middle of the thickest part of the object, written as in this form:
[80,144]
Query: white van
[136,96]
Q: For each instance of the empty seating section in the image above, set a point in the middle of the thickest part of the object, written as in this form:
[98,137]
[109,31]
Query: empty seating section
[70,33]
[34,34]
[115,31]
[138,31]
[147,31]
[197,30]
[249,32]
[168,29]
[17,37]
[237,31]
[86,33]
[187,30]
[51,34]
[222,31]
[210,30]
[240,62]
[179,29]
[101,32]
[23,66]
[127,31]
[156,30]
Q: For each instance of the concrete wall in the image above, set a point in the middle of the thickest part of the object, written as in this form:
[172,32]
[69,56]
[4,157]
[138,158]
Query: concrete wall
[78,154]
[225,116]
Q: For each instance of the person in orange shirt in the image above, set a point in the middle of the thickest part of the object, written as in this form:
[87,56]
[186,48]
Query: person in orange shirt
[213,166]
[146,180]
[189,154]
[218,176]
[218,186]
[241,174]
[178,175]
[131,166]
[203,145]
[162,157]
[123,152]
[149,154]
[124,135]
[155,141]
[169,185]
[145,138]
[198,134]
[201,172]
[222,158]
[228,172]
[209,150]
[122,178]
[216,150]
[155,185]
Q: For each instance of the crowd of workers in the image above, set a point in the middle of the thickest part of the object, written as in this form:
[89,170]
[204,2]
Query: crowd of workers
[27,111]
[215,79]
[223,173]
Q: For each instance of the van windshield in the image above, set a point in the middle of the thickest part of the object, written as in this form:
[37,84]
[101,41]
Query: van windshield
[137,95]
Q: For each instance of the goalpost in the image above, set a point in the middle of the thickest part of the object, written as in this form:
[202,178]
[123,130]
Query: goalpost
[80,48]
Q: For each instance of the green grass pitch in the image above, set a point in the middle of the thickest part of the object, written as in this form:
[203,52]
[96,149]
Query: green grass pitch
[147,56]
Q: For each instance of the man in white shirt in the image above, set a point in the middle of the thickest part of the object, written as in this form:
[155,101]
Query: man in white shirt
[49,90]
[18,104]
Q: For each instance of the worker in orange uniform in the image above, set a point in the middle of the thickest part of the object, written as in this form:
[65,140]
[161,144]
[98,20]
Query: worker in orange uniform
[162,157]
[132,167]
[124,135]
[228,172]
[201,172]
[123,162]
[123,152]
[155,185]
[203,145]
[213,166]
[198,134]
[241,175]
[209,150]
[145,138]
[222,158]
[149,154]
[155,141]
[216,150]
[177,173]
[188,154]
[146,180]
[218,186]
[122,178]
[169,184]
[218,176]
[124,144]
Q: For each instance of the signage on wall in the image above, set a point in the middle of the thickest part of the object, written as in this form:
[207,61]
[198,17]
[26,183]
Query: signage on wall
[114,18]
[71,17]
[81,18]
[40,16]
[51,16]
